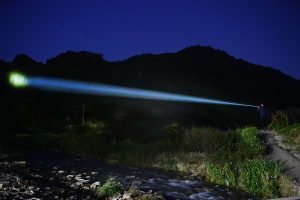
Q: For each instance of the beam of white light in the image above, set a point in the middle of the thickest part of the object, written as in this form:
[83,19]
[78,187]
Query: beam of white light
[71,86]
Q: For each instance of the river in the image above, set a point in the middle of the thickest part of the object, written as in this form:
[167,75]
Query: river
[64,176]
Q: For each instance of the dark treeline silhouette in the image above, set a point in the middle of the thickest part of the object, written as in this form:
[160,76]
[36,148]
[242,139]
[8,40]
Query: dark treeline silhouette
[198,71]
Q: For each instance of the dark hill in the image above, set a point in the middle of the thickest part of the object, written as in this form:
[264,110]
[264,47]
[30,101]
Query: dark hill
[198,71]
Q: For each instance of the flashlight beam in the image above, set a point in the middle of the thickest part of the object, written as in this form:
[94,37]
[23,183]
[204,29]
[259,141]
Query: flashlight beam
[71,86]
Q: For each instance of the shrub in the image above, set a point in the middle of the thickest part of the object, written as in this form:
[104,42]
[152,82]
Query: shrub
[279,120]
[92,127]
[173,132]
[129,152]
[287,187]
[291,133]
[111,187]
[204,139]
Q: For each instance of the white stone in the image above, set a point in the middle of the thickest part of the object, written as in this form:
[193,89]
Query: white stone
[94,173]
[127,195]
[95,185]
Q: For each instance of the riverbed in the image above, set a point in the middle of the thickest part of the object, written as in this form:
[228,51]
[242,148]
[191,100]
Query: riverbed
[54,175]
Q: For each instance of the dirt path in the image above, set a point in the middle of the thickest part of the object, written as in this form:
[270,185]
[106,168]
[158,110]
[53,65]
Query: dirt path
[291,163]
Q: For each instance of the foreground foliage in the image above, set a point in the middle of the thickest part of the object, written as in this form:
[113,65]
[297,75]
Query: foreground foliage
[110,188]
[290,131]
[231,158]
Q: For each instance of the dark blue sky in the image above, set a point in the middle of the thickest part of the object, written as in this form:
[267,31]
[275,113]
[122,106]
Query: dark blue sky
[259,31]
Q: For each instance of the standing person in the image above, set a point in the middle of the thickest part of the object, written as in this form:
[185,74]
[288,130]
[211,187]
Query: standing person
[263,114]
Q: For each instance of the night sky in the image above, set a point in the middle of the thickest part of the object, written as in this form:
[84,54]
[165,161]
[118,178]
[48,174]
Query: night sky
[259,31]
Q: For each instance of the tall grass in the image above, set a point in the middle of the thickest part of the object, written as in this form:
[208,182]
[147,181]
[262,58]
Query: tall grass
[110,188]
[291,132]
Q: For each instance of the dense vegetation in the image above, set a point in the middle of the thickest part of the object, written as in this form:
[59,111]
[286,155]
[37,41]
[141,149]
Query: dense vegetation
[231,158]
[284,126]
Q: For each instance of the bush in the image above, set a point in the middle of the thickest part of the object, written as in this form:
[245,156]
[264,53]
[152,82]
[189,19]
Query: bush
[221,145]
[291,133]
[173,132]
[279,120]
[111,187]
[92,127]
[129,152]
[197,139]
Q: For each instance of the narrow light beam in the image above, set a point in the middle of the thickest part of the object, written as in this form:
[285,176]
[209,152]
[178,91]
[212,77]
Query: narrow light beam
[71,86]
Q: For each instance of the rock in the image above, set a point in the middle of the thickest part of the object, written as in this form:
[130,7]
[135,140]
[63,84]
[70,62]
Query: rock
[15,189]
[61,172]
[85,188]
[117,197]
[158,193]
[19,162]
[51,179]
[30,187]
[95,185]
[70,176]
[31,192]
[129,177]
[136,183]
[1,185]
[36,175]
[79,179]
[127,195]
[94,173]
[76,184]
[87,177]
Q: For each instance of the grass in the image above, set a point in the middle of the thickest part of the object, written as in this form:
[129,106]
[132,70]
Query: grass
[291,132]
[231,158]
[110,188]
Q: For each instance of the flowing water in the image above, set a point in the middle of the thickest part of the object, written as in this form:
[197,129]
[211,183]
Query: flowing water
[173,185]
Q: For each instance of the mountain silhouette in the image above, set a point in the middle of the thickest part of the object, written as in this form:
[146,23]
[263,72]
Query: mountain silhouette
[197,70]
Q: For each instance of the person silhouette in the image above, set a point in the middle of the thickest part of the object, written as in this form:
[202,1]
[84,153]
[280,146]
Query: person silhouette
[263,114]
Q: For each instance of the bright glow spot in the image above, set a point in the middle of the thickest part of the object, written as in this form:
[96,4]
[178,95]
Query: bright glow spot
[17,79]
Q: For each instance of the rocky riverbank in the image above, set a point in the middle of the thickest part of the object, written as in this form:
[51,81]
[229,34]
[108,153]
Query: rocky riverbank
[59,176]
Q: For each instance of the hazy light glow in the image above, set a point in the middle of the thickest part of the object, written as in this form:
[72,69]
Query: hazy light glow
[70,86]
[17,79]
